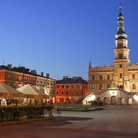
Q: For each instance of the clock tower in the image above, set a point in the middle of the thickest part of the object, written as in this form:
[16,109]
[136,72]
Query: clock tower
[121,60]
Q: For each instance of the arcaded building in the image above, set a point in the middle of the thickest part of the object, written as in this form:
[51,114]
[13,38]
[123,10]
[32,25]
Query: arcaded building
[117,83]
[69,90]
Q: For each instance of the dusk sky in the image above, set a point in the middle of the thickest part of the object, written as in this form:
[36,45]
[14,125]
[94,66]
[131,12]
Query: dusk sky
[61,37]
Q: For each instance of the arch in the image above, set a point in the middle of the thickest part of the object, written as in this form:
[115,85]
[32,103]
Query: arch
[129,101]
[122,101]
[61,100]
[113,100]
[72,100]
[67,100]
[105,100]
[121,86]
[98,98]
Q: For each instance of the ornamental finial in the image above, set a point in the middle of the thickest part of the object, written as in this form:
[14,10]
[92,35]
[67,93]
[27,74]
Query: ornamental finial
[120,7]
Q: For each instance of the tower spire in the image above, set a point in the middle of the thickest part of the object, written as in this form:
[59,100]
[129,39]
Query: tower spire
[121,31]
[120,7]
[121,50]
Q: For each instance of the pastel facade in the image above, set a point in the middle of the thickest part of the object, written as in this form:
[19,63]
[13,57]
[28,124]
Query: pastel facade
[121,78]
[69,90]
[19,76]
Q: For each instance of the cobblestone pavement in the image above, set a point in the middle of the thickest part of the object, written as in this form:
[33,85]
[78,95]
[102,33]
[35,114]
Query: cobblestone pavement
[112,122]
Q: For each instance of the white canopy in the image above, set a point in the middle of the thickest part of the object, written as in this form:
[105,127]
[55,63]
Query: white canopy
[8,91]
[32,91]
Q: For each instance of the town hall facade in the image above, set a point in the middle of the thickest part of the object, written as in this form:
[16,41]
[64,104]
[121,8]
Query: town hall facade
[117,83]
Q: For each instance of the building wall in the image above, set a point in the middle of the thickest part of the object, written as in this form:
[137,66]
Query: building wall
[70,92]
[100,78]
[18,79]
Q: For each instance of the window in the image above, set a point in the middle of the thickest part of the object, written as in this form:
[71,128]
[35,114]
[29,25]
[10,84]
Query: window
[92,77]
[120,56]
[67,93]
[93,87]
[100,86]
[57,86]
[78,86]
[62,86]
[120,65]
[133,76]
[100,77]
[108,86]
[62,93]
[134,86]
[108,77]
[25,78]
[57,93]
[120,75]
[67,86]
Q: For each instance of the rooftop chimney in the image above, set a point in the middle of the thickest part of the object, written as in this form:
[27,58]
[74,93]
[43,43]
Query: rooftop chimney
[9,66]
[42,73]
[47,75]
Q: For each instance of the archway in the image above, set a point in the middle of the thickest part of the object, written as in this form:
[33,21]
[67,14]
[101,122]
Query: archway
[129,101]
[98,98]
[113,100]
[67,100]
[122,101]
[105,100]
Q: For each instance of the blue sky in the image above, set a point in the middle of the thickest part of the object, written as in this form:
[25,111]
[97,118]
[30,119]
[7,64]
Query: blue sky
[61,37]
